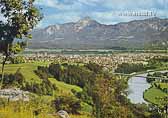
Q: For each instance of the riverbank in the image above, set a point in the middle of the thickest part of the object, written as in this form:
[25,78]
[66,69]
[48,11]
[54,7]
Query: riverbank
[137,85]
[140,90]
[156,91]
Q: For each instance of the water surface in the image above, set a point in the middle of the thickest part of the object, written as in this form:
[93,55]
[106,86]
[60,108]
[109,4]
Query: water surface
[137,85]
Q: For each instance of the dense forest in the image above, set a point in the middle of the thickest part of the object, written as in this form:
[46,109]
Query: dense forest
[129,68]
[154,63]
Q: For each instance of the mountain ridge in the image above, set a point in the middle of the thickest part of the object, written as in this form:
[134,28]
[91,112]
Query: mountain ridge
[90,34]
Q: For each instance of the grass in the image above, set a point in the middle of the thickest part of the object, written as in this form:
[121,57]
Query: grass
[163,85]
[26,110]
[7,113]
[65,88]
[27,69]
[152,94]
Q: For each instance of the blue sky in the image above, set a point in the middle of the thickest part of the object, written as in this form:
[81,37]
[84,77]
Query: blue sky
[104,11]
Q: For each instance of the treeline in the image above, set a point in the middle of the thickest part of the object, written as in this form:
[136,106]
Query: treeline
[129,68]
[158,61]
[17,80]
[75,74]
[159,81]
[155,62]
[159,77]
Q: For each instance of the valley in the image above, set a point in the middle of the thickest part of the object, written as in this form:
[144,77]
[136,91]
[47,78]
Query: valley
[83,59]
[35,70]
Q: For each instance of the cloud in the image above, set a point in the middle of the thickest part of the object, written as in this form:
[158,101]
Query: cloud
[47,3]
[68,17]
[104,11]
[62,5]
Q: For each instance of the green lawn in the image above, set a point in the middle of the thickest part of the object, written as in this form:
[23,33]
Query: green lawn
[152,94]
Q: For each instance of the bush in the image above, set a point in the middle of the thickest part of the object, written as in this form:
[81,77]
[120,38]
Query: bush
[17,60]
[67,103]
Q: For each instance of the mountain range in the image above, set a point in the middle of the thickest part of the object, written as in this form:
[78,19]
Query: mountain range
[90,34]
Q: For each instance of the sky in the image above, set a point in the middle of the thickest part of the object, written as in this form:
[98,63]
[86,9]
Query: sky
[103,11]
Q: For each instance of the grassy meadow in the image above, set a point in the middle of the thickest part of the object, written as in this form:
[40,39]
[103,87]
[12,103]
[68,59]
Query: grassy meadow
[152,94]
[27,70]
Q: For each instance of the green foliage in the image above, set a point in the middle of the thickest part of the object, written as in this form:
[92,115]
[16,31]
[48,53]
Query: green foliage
[83,95]
[45,88]
[94,67]
[36,107]
[158,61]
[21,17]
[27,69]
[71,74]
[17,80]
[107,90]
[14,80]
[160,82]
[67,103]
[17,60]
[130,68]
[99,89]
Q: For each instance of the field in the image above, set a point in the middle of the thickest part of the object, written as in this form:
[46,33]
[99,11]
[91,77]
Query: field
[153,94]
[65,88]
[163,85]
[27,69]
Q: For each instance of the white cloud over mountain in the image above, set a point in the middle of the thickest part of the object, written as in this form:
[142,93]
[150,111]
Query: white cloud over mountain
[62,11]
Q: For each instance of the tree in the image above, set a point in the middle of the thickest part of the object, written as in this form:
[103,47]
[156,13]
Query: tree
[20,17]
[163,106]
[107,91]
[103,94]
[67,103]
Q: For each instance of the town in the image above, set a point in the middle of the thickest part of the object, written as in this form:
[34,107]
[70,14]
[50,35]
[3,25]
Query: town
[108,61]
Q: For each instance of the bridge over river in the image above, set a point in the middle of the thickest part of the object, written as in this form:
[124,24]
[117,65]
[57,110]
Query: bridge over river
[141,76]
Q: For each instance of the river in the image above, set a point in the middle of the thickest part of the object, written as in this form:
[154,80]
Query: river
[137,85]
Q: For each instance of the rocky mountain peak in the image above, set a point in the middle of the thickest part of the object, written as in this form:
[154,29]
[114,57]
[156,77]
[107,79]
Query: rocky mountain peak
[52,29]
[85,22]
[85,19]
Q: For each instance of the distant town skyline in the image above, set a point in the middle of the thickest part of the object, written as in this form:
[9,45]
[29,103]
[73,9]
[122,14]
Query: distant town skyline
[103,11]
